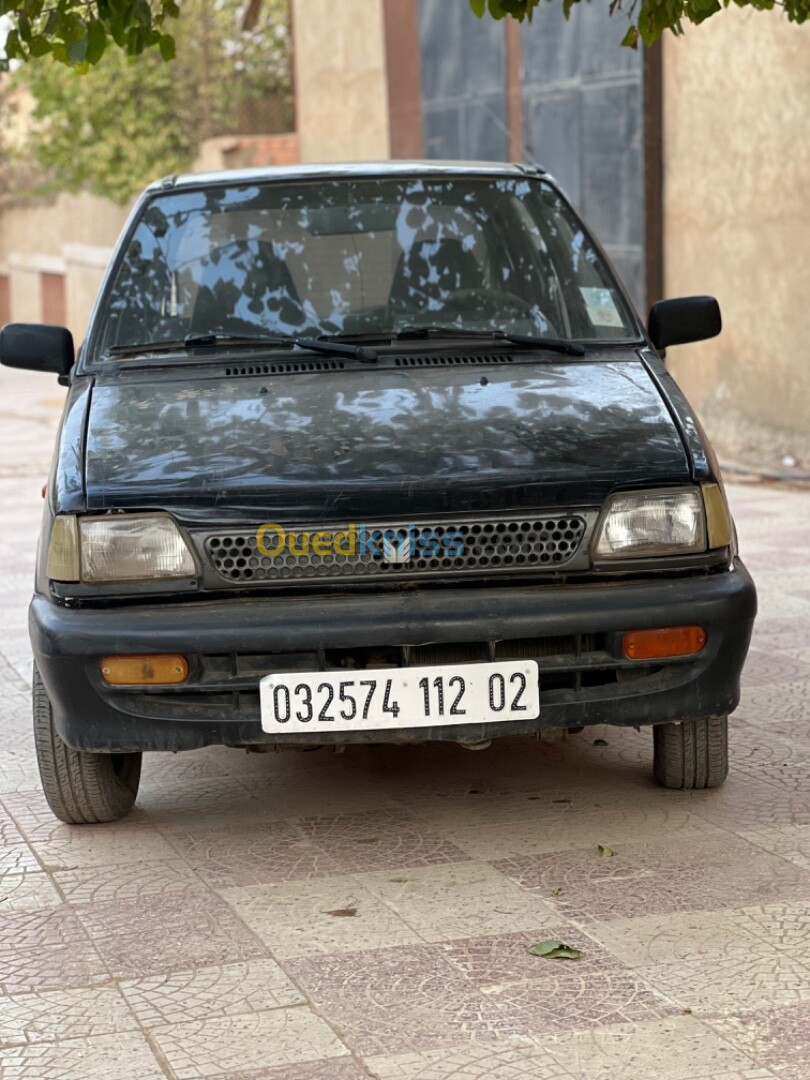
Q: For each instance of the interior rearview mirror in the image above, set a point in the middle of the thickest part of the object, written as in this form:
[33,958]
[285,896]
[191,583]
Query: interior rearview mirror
[677,322]
[37,348]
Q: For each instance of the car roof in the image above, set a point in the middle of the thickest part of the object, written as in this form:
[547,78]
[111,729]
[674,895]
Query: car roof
[341,170]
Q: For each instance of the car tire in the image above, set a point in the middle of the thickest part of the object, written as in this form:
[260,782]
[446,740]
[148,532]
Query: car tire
[692,754]
[82,788]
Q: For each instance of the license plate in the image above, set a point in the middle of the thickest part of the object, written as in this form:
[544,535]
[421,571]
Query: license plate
[400,697]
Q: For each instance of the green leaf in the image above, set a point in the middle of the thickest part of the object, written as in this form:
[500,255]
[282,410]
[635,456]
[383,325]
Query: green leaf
[555,950]
[630,39]
[39,46]
[96,41]
[479,7]
[13,49]
[167,47]
[73,29]
[606,852]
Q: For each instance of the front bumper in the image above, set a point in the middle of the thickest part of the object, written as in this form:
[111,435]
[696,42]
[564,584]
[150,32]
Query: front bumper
[575,629]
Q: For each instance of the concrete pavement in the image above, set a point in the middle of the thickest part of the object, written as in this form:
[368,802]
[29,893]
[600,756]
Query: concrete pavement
[308,916]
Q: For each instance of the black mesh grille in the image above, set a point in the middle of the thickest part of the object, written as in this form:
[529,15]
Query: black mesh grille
[463,547]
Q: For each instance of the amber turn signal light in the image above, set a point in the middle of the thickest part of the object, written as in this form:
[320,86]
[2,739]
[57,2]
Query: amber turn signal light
[657,644]
[144,670]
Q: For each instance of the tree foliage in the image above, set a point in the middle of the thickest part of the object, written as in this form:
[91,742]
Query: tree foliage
[647,19]
[124,122]
[77,32]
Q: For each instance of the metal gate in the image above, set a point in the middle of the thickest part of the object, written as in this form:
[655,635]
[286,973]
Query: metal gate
[583,110]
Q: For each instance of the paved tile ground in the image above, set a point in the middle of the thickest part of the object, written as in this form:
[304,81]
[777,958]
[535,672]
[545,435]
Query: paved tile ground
[324,917]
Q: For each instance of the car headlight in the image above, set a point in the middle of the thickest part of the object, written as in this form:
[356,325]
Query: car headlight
[643,524]
[114,548]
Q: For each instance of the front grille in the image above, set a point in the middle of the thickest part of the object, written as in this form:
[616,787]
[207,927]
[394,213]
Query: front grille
[400,550]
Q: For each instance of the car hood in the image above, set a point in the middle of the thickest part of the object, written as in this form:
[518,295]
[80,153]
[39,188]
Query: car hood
[368,443]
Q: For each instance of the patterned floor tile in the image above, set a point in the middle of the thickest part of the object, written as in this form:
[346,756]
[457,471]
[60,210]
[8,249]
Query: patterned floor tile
[459,899]
[676,1048]
[9,833]
[96,884]
[782,925]
[781,763]
[396,1001]
[266,853]
[790,842]
[124,1056]
[27,892]
[718,987]
[381,841]
[46,949]
[183,996]
[501,958]
[193,928]
[476,1062]
[575,1000]
[59,1014]
[229,1044]
[335,914]
[191,765]
[658,877]
[560,830]
[775,1037]
[199,802]
[337,791]
[541,995]
[746,801]
[765,666]
[101,846]
[16,859]
[326,1069]
[706,936]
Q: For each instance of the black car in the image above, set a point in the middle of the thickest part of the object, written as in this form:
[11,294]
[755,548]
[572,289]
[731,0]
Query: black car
[372,453]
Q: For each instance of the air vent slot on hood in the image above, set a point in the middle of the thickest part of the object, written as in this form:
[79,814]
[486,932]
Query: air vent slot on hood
[290,366]
[435,361]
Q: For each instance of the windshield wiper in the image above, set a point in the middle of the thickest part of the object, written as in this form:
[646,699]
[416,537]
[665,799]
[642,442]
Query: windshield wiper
[212,339]
[570,348]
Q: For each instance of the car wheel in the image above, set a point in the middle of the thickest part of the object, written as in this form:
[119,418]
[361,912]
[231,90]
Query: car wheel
[692,754]
[82,788]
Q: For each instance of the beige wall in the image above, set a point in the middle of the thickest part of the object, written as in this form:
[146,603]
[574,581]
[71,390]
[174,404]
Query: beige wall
[45,225]
[737,222]
[71,235]
[341,95]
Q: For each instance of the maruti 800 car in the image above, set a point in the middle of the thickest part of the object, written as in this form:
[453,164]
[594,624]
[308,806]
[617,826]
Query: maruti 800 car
[374,453]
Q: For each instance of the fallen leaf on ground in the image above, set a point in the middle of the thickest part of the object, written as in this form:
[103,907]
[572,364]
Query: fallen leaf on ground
[555,950]
[342,912]
[606,852]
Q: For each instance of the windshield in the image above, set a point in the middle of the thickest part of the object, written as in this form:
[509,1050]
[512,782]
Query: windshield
[361,256]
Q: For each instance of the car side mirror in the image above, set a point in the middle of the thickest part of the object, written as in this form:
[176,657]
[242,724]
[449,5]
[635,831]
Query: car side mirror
[37,348]
[677,322]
